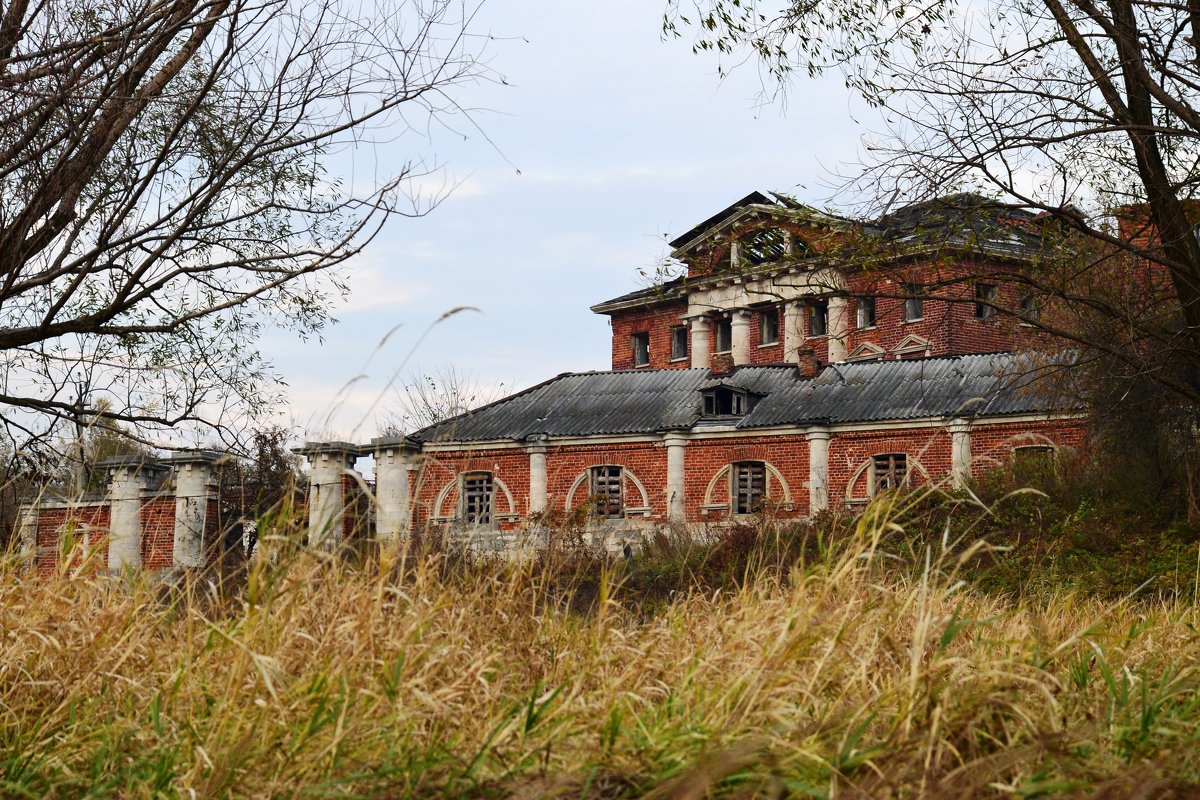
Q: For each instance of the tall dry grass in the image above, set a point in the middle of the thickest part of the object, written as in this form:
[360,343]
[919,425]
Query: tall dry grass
[847,677]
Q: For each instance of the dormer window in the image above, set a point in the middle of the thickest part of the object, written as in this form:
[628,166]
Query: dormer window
[726,401]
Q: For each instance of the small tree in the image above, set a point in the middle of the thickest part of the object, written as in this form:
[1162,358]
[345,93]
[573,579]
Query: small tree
[430,398]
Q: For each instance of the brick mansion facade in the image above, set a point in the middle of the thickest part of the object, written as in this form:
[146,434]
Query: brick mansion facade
[773,375]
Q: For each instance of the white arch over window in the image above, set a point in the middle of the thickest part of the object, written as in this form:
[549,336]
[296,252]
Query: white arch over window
[716,502]
[628,477]
[914,467]
[505,510]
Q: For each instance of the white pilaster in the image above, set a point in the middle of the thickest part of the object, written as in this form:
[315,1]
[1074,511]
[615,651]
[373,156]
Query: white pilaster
[195,486]
[839,325]
[28,532]
[394,457]
[701,330]
[328,463]
[740,330]
[129,478]
[960,452]
[818,470]
[793,331]
[537,474]
[676,486]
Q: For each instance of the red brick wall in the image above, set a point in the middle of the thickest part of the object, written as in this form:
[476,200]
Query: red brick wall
[50,520]
[647,461]
[927,447]
[703,459]
[158,533]
[509,466]
[658,322]
[992,445]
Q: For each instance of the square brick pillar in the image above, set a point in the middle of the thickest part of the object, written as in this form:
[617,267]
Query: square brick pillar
[395,460]
[328,463]
[195,487]
[130,478]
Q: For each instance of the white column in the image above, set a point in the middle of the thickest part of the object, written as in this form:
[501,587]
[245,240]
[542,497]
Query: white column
[793,331]
[537,474]
[676,487]
[328,463]
[701,331]
[195,486]
[129,478]
[839,325]
[960,452]
[393,459]
[818,470]
[740,330]
[29,525]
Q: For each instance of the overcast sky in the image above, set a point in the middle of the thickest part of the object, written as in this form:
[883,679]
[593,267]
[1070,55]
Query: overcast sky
[606,138]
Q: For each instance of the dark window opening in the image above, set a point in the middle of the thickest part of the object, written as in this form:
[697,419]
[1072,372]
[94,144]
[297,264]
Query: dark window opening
[818,318]
[748,487]
[764,246]
[985,298]
[641,348]
[866,312]
[723,335]
[914,306]
[477,491]
[1031,307]
[605,488]
[889,471]
[679,342]
[769,326]
[725,402]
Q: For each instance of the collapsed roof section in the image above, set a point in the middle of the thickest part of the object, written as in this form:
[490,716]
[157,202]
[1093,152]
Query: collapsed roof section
[654,401]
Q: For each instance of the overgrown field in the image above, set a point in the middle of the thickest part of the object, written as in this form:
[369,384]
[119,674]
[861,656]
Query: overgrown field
[861,665]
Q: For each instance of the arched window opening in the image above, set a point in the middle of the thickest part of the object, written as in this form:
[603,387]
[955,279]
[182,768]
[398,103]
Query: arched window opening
[747,486]
[478,488]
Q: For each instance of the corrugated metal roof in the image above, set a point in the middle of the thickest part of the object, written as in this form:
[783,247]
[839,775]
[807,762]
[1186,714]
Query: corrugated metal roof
[646,401]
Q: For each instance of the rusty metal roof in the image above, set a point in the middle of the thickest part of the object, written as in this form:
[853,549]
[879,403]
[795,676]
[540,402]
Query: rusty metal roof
[648,401]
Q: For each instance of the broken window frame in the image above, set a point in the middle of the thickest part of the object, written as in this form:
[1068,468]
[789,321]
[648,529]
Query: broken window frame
[747,487]
[723,335]
[865,313]
[606,488]
[764,246]
[818,318]
[639,342]
[679,342]
[1030,309]
[985,299]
[725,401]
[888,471]
[768,327]
[914,304]
[477,498]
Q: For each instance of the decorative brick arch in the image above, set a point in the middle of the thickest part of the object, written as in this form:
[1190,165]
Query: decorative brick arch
[1003,453]
[773,475]
[626,475]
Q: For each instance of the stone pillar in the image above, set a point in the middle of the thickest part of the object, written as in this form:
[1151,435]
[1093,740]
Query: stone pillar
[195,486]
[701,336]
[839,326]
[129,479]
[538,496]
[960,452]
[676,487]
[818,470]
[394,457]
[740,329]
[28,516]
[793,331]
[329,462]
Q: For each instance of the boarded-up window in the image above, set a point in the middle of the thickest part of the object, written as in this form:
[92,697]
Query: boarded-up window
[606,492]
[749,486]
[477,491]
[889,471]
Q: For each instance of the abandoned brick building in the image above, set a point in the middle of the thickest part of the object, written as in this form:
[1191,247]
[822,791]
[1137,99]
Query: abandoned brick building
[775,375]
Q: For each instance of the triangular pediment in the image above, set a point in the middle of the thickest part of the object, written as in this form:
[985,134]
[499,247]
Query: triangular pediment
[866,351]
[913,344]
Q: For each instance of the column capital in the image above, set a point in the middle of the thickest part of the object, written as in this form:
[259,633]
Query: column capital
[959,425]
[536,443]
[818,433]
[699,318]
[739,314]
[673,439]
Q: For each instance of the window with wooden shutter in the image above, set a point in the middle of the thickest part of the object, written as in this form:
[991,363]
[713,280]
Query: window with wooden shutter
[606,492]
[749,486]
[890,471]
[477,491]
